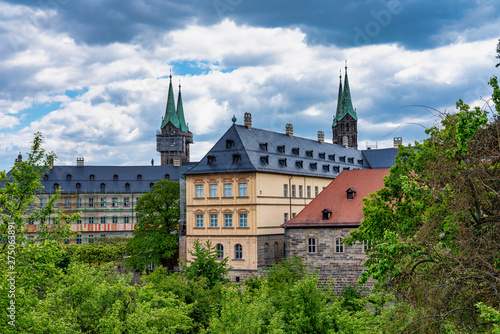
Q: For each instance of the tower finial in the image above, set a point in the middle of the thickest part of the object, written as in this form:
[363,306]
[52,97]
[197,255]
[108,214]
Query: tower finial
[346,63]
[179,85]
[171,74]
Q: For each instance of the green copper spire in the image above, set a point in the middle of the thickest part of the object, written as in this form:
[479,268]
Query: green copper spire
[346,100]
[170,113]
[339,101]
[180,112]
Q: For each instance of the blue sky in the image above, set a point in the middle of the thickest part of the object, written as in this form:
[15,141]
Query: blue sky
[92,76]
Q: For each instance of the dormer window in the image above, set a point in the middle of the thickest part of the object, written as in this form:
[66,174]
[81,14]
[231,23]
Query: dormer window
[326,168]
[46,177]
[264,159]
[299,164]
[331,157]
[56,186]
[350,193]
[309,154]
[350,160]
[139,177]
[295,151]
[314,165]
[322,155]
[342,159]
[92,177]
[127,185]
[167,176]
[151,185]
[229,144]
[360,161]
[210,160]
[103,186]
[236,158]
[263,146]
[115,177]
[346,168]
[336,169]
[282,162]
[68,177]
[78,186]
[326,214]
[281,149]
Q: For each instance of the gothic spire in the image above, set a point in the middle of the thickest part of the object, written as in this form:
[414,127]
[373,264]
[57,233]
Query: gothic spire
[346,100]
[339,101]
[170,113]
[180,112]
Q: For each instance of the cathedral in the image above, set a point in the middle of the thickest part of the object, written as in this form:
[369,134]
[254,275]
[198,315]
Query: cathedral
[345,121]
[173,140]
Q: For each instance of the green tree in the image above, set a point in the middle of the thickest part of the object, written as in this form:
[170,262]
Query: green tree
[206,265]
[155,240]
[434,227]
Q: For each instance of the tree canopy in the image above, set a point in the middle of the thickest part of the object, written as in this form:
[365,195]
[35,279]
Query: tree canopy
[155,239]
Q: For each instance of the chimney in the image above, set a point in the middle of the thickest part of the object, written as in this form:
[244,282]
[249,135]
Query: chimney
[79,162]
[289,129]
[152,162]
[321,137]
[397,141]
[248,120]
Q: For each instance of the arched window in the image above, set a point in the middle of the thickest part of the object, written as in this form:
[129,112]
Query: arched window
[311,245]
[220,251]
[238,252]
[115,177]
[68,177]
[78,186]
[339,246]
[276,250]
[127,185]
[167,176]
[139,177]
[151,185]
[56,186]
[103,185]
[45,177]
[92,177]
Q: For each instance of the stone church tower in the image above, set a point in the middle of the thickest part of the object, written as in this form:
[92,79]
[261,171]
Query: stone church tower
[173,140]
[345,122]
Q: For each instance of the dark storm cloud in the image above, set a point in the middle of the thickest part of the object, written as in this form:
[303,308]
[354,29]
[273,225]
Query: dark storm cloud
[413,24]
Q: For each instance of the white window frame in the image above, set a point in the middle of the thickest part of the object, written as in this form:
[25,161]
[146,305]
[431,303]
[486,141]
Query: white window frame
[339,246]
[199,191]
[199,220]
[242,189]
[238,252]
[311,245]
[213,220]
[228,220]
[228,190]
[243,220]
[213,190]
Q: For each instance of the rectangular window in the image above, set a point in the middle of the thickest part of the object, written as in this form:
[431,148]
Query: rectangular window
[126,220]
[91,238]
[103,202]
[228,220]
[78,221]
[300,191]
[79,202]
[115,220]
[66,242]
[78,239]
[213,220]
[293,190]
[285,190]
[293,215]
[243,220]
[315,191]
[366,245]
[115,202]
[43,202]
[243,189]
[285,217]
[199,190]
[308,191]
[311,245]
[339,246]
[103,220]
[126,201]
[213,190]
[91,220]
[199,220]
[66,202]
[91,202]
[103,235]
[228,190]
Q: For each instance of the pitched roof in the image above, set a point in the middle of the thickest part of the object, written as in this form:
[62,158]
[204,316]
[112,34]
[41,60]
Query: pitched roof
[344,212]
[106,174]
[380,158]
[242,149]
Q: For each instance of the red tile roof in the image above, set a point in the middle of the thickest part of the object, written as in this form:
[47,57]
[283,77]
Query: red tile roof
[334,198]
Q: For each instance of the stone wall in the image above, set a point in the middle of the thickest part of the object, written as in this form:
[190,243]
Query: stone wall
[238,276]
[270,249]
[343,269]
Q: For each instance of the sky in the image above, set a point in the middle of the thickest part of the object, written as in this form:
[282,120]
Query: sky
[92,76]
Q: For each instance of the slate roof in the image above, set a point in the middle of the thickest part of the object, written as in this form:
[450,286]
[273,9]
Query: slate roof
[105,174]
[344,212]
[380,158]
[247,152]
